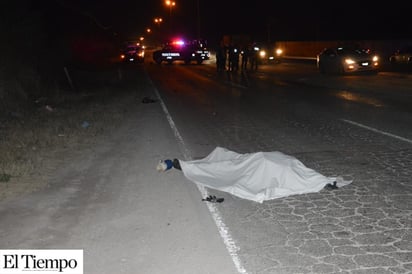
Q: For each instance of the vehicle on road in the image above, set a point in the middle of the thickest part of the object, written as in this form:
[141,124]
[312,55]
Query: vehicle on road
[202,48]
[181,50]
[402,56]
[268,54]
[344,60]
[133,53]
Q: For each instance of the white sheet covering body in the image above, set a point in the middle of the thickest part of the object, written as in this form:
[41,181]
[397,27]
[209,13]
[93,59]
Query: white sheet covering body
[256,176]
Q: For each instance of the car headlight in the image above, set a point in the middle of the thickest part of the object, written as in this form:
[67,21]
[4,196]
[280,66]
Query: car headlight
[349,61]
[375,58]
[262,54]
[279,52]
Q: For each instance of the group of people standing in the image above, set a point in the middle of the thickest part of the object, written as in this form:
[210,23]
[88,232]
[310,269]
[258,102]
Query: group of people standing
[229,57]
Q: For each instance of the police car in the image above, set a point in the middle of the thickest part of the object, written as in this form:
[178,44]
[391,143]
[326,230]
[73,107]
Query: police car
[180,50]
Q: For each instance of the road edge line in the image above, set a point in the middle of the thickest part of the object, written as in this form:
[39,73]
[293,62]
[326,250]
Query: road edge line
[230,244]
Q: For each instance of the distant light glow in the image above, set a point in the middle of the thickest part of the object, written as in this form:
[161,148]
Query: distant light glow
[349,61]
[170,3]
[178,42]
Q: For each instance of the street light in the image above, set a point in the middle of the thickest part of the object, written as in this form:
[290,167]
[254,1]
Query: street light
[158,21]
[170,4]
[158,34]
[198,19]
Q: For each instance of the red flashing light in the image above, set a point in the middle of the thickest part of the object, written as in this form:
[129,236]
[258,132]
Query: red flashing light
[178,42]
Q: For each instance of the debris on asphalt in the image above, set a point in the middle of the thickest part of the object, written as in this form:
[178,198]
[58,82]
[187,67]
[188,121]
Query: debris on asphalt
[331,186]
[85,124]
[213,199]
[48,108]
[147,100]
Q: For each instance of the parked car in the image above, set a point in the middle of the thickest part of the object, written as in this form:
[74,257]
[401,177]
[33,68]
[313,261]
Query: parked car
[343,60]
[181,50]
[402,56]
[133,53]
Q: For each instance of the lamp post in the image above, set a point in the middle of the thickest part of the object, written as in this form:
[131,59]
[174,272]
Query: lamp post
[170,4]
[158,21]
[198,19]
[158,34]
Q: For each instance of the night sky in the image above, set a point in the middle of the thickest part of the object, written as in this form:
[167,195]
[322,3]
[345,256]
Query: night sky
[274,20]
[261,20]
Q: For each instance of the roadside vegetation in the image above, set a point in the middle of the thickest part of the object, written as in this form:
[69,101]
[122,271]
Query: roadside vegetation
[58,91]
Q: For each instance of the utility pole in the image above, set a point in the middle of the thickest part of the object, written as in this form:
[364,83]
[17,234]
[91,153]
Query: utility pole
[198,19]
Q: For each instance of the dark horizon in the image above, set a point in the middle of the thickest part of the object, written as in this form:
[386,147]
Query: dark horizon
[263,21]
[268,20]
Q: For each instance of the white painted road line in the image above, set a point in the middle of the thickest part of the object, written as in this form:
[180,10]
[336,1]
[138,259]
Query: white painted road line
[214,211]
[378,131]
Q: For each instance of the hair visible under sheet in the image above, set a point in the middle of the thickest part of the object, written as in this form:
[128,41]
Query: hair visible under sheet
[256,176]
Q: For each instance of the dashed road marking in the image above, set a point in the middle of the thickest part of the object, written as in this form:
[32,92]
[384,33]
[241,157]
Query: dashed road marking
[378,131]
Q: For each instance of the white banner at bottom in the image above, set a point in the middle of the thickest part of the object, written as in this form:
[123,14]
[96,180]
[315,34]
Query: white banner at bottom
[18,261]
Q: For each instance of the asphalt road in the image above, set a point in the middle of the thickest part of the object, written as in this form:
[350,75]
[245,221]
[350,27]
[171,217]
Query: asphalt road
[129,218]
[357,126]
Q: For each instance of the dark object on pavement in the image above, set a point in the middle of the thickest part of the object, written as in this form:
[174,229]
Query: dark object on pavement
[147,100]
[331,186]
[213,199]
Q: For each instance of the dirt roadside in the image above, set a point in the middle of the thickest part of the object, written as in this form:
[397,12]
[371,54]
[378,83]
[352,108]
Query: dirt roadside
[35,142]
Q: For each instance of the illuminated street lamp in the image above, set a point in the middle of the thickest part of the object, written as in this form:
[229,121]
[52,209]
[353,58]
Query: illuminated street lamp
[158,34]
[158,21]
[170,4]
[198,19]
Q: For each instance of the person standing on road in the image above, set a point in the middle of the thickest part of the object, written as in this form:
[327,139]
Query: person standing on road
[245,57]
[234,58]
[254,52]
[221,57]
